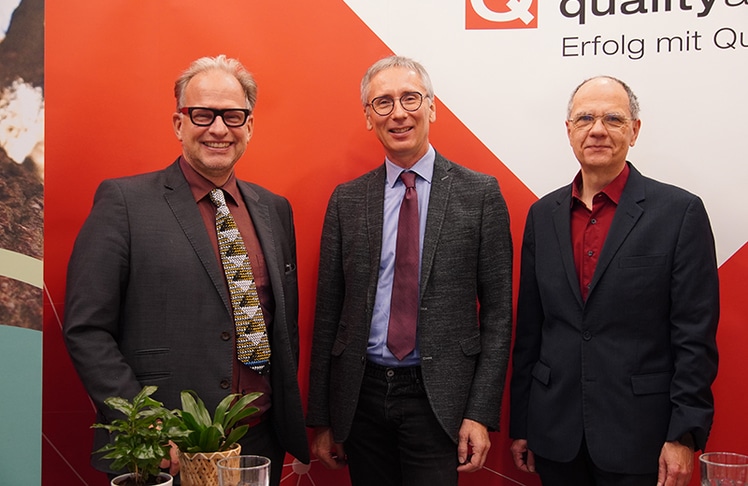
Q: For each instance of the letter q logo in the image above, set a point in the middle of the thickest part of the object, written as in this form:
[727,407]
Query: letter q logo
[501,14]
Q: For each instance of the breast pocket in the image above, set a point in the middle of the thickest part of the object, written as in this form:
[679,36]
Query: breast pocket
[642,275]
[643,261]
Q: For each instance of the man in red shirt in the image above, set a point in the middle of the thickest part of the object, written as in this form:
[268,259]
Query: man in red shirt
[148,299]
[615,348]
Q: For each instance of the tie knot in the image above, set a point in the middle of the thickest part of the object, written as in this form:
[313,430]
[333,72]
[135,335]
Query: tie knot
[216,195]
[408,178]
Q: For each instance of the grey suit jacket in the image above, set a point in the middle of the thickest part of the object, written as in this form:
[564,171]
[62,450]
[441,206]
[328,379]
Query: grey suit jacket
[632,366]
[146,303]
[466,261]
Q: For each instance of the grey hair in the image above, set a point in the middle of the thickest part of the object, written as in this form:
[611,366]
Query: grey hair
[633,100]
[395,62]
[221,63]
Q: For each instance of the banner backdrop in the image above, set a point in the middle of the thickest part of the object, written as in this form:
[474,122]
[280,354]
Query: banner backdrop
[502,70]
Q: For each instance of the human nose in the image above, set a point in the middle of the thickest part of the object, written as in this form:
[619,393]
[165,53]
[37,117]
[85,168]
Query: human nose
[398,111]
[598,126]
[218,126]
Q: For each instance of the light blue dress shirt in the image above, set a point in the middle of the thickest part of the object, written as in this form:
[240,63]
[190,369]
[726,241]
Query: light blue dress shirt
[377,351]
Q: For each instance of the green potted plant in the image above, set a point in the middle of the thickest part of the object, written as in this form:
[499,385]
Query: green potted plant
[206,439]
[140,439]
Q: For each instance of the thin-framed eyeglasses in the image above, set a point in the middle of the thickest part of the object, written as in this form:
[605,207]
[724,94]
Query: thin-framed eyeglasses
[610,120]
[384,105]
[204,117]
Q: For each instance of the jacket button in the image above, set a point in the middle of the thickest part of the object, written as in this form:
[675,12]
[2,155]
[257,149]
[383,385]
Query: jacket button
[225,336]
[225,384]
[586,335]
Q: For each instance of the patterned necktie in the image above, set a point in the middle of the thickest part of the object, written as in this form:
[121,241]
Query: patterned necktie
[252,347]
[401,333]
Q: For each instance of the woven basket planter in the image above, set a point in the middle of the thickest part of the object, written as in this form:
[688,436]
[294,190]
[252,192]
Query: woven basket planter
[199,468]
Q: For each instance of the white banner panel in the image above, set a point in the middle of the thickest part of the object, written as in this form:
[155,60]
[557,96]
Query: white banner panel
[507,68]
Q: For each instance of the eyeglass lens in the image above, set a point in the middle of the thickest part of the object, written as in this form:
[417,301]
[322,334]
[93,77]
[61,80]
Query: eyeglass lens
[610,120]
[203,117]
[384,105]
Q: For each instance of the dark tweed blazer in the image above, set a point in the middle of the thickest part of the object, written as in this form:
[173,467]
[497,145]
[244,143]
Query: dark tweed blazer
[146,303]
[466,298]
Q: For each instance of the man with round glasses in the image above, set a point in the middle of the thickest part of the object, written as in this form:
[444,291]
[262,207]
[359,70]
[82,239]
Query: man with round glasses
[148,299]
[615,351]
[409,353]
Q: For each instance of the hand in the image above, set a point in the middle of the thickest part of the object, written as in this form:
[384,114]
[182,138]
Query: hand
[172,464]
[523,457]
[473,446]
[329,452]
[676,465]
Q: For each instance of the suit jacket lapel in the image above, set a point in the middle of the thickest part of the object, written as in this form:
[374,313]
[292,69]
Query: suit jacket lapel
[562,225]
[373,222]
[627,214]
[263,224]
[273,254]
[179,197]
[441,185]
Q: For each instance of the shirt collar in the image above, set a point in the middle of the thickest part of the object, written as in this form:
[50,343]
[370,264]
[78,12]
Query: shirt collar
[424,168]
[613,190]
[201,187]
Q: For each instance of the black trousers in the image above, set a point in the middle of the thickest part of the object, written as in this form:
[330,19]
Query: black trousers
[396,439]
[581,471]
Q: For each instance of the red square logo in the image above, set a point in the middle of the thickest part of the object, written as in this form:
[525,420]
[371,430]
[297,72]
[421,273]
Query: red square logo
[501,14]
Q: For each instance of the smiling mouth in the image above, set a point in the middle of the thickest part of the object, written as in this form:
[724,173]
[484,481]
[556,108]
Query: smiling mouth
[400,130]
[217,145]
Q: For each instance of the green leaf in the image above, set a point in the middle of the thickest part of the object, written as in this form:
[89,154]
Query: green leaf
[140,439]
[223,407]
[192,424]
[200,433]
[234,436]
[120,404]
[210,439]
[193,404]
[240,410]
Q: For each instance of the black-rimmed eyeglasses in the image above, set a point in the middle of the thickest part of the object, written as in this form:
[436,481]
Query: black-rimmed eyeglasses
[204,117]
[384,105]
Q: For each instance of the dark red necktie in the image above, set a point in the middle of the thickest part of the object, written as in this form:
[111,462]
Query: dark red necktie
[401,334]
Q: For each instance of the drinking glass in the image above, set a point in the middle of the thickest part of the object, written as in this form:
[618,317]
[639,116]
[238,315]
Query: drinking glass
[723,469]
[244,471]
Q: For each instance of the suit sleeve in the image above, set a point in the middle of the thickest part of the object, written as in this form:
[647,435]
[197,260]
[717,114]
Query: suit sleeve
[528,335]
[98,273]
[330,296]
[495,312]
[694,315]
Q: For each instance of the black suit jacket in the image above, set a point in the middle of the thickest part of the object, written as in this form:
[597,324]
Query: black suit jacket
[632,366]
[466,260]
[146,302]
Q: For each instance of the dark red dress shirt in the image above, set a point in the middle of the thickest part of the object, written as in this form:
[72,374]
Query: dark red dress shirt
[589,227]
[245,380]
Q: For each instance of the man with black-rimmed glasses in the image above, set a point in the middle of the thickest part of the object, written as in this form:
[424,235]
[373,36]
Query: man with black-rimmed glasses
[185,278]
